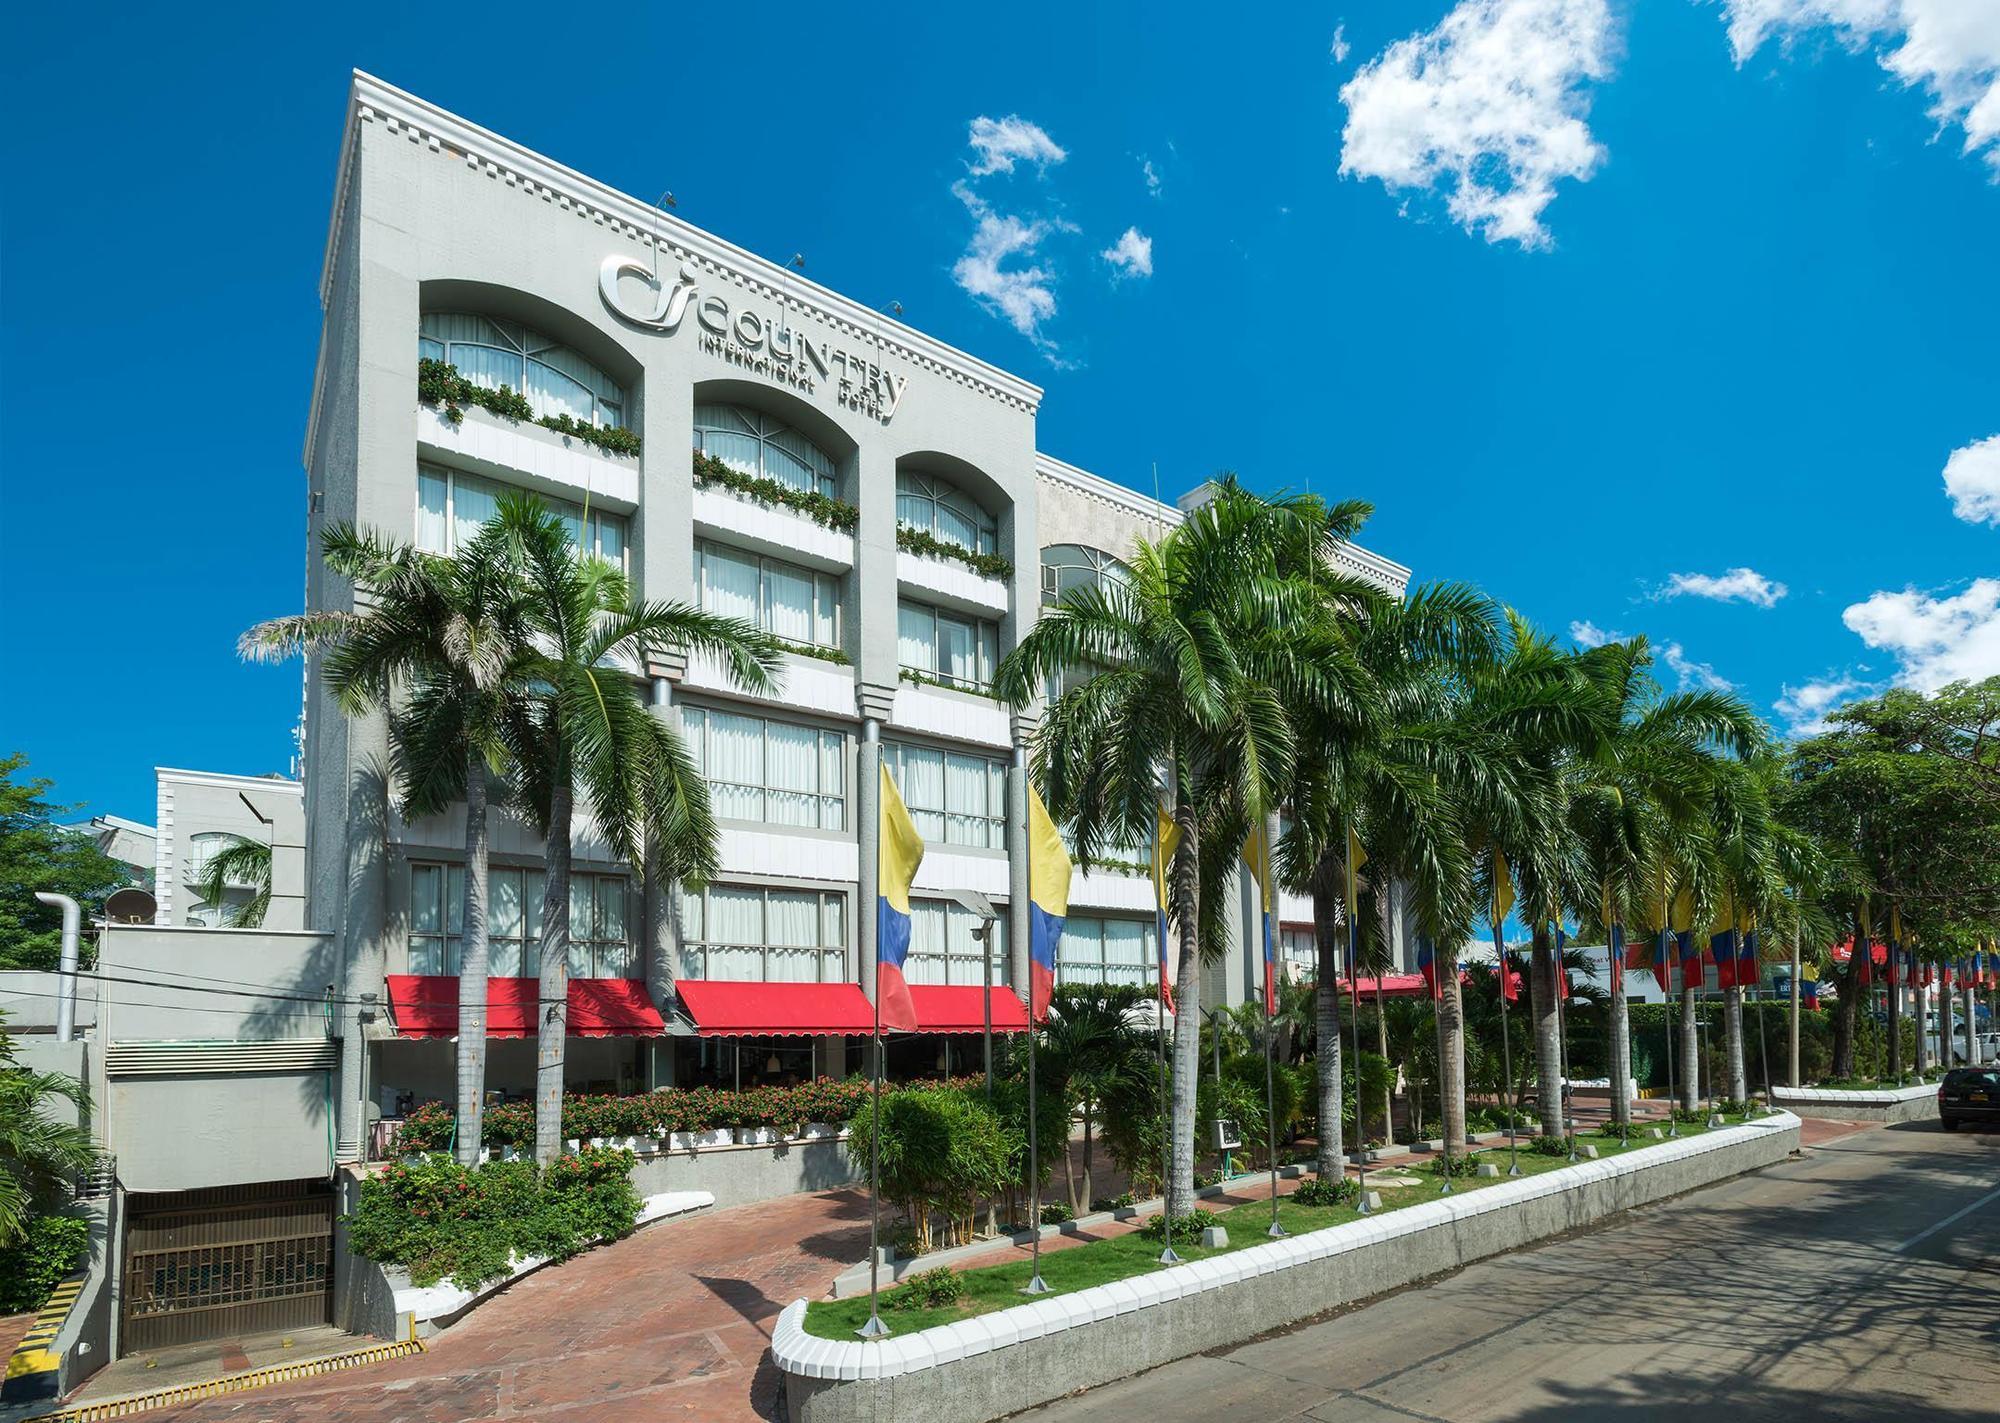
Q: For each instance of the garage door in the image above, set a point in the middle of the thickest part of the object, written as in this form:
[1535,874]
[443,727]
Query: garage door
[224,1263]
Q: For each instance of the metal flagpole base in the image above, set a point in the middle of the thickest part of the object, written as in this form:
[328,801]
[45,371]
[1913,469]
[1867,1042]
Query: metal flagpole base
[1036,1286]
[1445,1189]
[1513,1168]
[1361,1204]
[1277,1232]
[1167,1256]
[874,1328]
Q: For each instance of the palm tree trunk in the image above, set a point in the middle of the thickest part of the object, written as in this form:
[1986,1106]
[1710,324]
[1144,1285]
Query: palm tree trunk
[1732,1036]
[1451,1071]
[1690,1054]
[1089,1189]
[1327,933]
[472,967]
[552,1014]
[1846,1013]
[1548,1034]
[1388,1092]
[1895,996]
[1944,1025]
[1621,1060]
[1187,1007]
[1918,1011]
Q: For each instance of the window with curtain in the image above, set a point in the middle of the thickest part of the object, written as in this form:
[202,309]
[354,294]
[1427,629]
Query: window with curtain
[1068,566]
[1101,950]
[939,508]
[944,949]
[753,934]
[796,604]
[504,355]
[451,505]
[600,914]
[765,447]
[772,772]
[1298,953]
[956,650]
[955,799]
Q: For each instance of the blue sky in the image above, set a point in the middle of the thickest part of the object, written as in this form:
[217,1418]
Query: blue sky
[1635,315]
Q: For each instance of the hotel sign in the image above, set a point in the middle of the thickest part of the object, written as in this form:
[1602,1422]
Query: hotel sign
[760,344]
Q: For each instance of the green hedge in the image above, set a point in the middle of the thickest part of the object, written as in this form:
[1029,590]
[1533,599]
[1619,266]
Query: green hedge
[440,1220]
[48,1251]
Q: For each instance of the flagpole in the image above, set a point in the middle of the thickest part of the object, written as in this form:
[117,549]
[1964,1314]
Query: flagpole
[1035,1285]
[875,1328]
[1667,948]
[1506,1049]
[1269,894]
[1763,1038]
[1354,1020]
[1562,1041]
[1437,1018]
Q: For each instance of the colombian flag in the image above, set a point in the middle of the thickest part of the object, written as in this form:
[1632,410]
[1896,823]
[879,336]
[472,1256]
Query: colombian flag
[1722,948]
[899,852]
[1749,969]
[1663,959]
[1503,900]
[1048,903]
[1356,858]
[1257,855]
[1864,950]
[1427,965]
[1690,951]
[1166,840]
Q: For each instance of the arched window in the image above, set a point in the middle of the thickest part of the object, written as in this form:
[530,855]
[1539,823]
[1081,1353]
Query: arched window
[1067,566]
[504,355]
[757,444]
[946,512]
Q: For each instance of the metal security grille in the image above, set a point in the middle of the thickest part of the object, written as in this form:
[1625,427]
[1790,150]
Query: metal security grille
[207,1265]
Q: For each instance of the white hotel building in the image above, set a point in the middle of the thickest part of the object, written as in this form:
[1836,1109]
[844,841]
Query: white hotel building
[450,242]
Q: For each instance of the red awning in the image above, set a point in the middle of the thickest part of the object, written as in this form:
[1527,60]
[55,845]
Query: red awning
[1397,985]
[426,1006]
[722,1009]
[955,1009]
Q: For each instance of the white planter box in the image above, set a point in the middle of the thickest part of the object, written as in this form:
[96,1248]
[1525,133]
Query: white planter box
[643,1145]
[696,1140]
[819,1131]
[756,1136]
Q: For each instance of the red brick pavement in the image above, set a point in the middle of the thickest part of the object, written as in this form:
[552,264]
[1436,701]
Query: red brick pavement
[671,1323]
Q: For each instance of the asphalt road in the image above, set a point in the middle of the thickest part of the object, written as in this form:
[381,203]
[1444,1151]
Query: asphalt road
[1858,1282]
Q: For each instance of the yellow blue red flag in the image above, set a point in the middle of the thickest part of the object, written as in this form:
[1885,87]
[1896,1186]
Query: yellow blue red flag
[898,854]
[1049,869]
[1166,840]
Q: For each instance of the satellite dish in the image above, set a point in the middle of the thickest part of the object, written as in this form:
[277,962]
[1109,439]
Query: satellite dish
[131,906]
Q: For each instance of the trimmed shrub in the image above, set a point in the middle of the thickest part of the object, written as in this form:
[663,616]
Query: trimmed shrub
[1322,1191]
[49,1249]
[1187,1227]
[1457,1164]
[929,1289]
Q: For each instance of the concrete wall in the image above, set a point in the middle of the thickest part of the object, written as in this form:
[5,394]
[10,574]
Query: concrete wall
[998,1364]
[1904,1104]
[741,1175]
[28,999]
[265,810]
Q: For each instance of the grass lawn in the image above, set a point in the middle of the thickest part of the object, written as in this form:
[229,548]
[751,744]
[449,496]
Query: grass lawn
[1102,1261]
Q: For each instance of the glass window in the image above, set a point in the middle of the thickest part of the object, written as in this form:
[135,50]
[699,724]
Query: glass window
[1069,566]
[504,355]
[747,933]
[773,772]
[955,650]
[601,943]
[789,602]
[944,948]
[451,505]
[954,799]
[945,511]
[766,448]
[1298,953]
[1095,950]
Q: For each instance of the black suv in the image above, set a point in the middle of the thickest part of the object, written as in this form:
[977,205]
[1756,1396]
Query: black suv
[1969,1094]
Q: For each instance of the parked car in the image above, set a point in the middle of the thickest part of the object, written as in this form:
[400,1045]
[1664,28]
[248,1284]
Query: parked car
[1969,1094]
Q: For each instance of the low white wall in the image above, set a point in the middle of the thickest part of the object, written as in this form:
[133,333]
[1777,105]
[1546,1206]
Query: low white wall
[1846,1104]
[976,1369]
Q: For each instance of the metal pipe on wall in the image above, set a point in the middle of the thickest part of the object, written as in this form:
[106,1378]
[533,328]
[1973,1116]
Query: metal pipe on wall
[72,920]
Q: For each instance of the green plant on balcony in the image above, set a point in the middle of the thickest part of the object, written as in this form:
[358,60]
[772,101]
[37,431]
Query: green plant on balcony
[927,544]
[822,509]
[440,384]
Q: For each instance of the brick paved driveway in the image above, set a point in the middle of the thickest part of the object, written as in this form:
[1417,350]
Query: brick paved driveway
[671,1323]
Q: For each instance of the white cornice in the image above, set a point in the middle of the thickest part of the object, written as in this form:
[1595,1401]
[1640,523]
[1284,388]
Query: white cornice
[372,100]
[230,781]
[1365,562]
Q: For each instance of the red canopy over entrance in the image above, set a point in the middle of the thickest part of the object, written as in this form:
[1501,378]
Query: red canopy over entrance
[955,1009]
[426,1006]
[776,1010]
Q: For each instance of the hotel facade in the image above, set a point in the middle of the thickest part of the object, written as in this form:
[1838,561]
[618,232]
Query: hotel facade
[919,532]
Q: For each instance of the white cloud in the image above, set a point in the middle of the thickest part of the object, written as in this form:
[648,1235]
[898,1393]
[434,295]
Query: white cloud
[1024,295]
[1738,585]
[1131,255]
[1152,176]
[1001,143]
[1948,48]
[1488,107]
[1693,673]
[1340,48]
[1805,707]
[1935,640]
[1972,479]
[1585,633]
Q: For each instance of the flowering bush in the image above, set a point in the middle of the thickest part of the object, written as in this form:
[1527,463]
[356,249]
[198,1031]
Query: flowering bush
[440,1220]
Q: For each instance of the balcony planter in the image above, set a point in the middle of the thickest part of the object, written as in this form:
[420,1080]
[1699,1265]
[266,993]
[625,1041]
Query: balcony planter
[696,1140]
[756,1136]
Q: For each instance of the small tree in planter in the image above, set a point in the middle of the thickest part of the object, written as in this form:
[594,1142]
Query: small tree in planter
[941,1154]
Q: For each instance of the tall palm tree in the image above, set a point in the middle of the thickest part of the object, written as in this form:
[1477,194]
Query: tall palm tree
[1182,661]
[40,1155]
[439,644]
[581,727]
[239,864]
